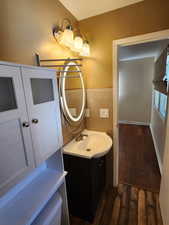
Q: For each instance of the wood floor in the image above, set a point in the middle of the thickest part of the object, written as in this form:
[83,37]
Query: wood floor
[135,201]
[127,205]
[138,164]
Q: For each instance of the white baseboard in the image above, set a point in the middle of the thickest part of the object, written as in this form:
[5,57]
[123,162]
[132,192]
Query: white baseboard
[156,150]
[133,122]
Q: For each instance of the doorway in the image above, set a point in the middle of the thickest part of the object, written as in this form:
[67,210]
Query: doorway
[156,36]
[142,115]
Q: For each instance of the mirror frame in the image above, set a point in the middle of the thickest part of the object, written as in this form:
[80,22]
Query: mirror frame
[64,104]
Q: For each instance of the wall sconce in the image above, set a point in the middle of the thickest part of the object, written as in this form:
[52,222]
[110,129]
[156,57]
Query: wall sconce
[64,35]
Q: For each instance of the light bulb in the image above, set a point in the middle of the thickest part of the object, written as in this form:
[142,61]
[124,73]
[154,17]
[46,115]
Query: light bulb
[78,43]
[67,37]
[85,49]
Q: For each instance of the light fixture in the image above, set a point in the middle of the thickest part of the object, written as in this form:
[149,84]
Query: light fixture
[64,33]
[65,36]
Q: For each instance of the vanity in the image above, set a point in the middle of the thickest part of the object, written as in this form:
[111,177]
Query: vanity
[84,159]
[84,156]
[85,184]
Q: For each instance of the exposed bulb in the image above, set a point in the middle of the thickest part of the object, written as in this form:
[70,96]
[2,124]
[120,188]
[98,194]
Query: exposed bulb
[67,37]
[78,43]
[85,49]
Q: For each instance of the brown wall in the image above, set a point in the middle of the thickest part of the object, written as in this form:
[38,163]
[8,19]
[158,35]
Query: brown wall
[26,28]
[144,17]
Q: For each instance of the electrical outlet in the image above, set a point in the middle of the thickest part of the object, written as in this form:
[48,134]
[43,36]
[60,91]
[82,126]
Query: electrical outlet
[104,113]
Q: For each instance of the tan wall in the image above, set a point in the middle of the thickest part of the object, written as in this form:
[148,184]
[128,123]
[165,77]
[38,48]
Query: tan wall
[135,90]
[26,28]
[144,17]
[96,99]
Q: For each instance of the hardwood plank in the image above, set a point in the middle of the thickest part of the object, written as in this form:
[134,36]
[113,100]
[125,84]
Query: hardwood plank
[121,189]
[150,201]
[151,214]
[123,216]
[124,206]
[125,196]
[116,211]
[133,218]
[158,211]
[151,220]
[133,206]
[141,208]
[134,194]
[105,219]
[100,211]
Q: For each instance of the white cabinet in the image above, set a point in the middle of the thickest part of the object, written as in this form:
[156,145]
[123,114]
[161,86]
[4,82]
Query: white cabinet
[16,157]
[30,127]
[43,110]
[51,214]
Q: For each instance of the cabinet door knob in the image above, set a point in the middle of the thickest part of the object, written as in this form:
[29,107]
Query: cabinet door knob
[35,121]
[25,124]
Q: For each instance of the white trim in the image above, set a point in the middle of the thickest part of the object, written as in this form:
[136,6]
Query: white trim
[115,115]
[156,149]
[134,123]
[149,37]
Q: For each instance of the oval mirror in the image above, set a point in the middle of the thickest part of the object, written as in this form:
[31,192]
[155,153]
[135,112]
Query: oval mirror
[72,92]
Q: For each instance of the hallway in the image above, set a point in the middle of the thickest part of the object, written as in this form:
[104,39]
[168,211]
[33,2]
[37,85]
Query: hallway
[138,164]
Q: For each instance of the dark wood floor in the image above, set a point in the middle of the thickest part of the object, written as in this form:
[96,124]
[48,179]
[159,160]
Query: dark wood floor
[127,205]
[135,201]
[138,164]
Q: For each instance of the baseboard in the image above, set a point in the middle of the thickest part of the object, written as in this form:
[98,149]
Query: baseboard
[156,150]
[133,122]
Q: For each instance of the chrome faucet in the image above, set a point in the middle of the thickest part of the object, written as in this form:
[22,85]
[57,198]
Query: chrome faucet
[80,137]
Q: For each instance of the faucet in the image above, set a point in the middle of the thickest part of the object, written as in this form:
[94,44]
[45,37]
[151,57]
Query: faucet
[80,137]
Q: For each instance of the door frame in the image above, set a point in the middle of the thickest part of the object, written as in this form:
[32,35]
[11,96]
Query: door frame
[149,37]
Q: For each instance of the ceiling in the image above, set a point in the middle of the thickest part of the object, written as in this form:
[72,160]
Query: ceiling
[83,9]
[145,50]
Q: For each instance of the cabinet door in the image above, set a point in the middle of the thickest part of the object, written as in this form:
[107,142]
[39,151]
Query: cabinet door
[16,157]
[43,109]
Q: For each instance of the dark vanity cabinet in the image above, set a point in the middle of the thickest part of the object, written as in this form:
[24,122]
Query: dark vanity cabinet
[85,184]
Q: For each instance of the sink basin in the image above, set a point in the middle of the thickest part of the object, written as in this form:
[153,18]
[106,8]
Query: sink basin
[95,145]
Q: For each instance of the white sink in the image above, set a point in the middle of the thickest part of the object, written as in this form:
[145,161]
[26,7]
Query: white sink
[95,145]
